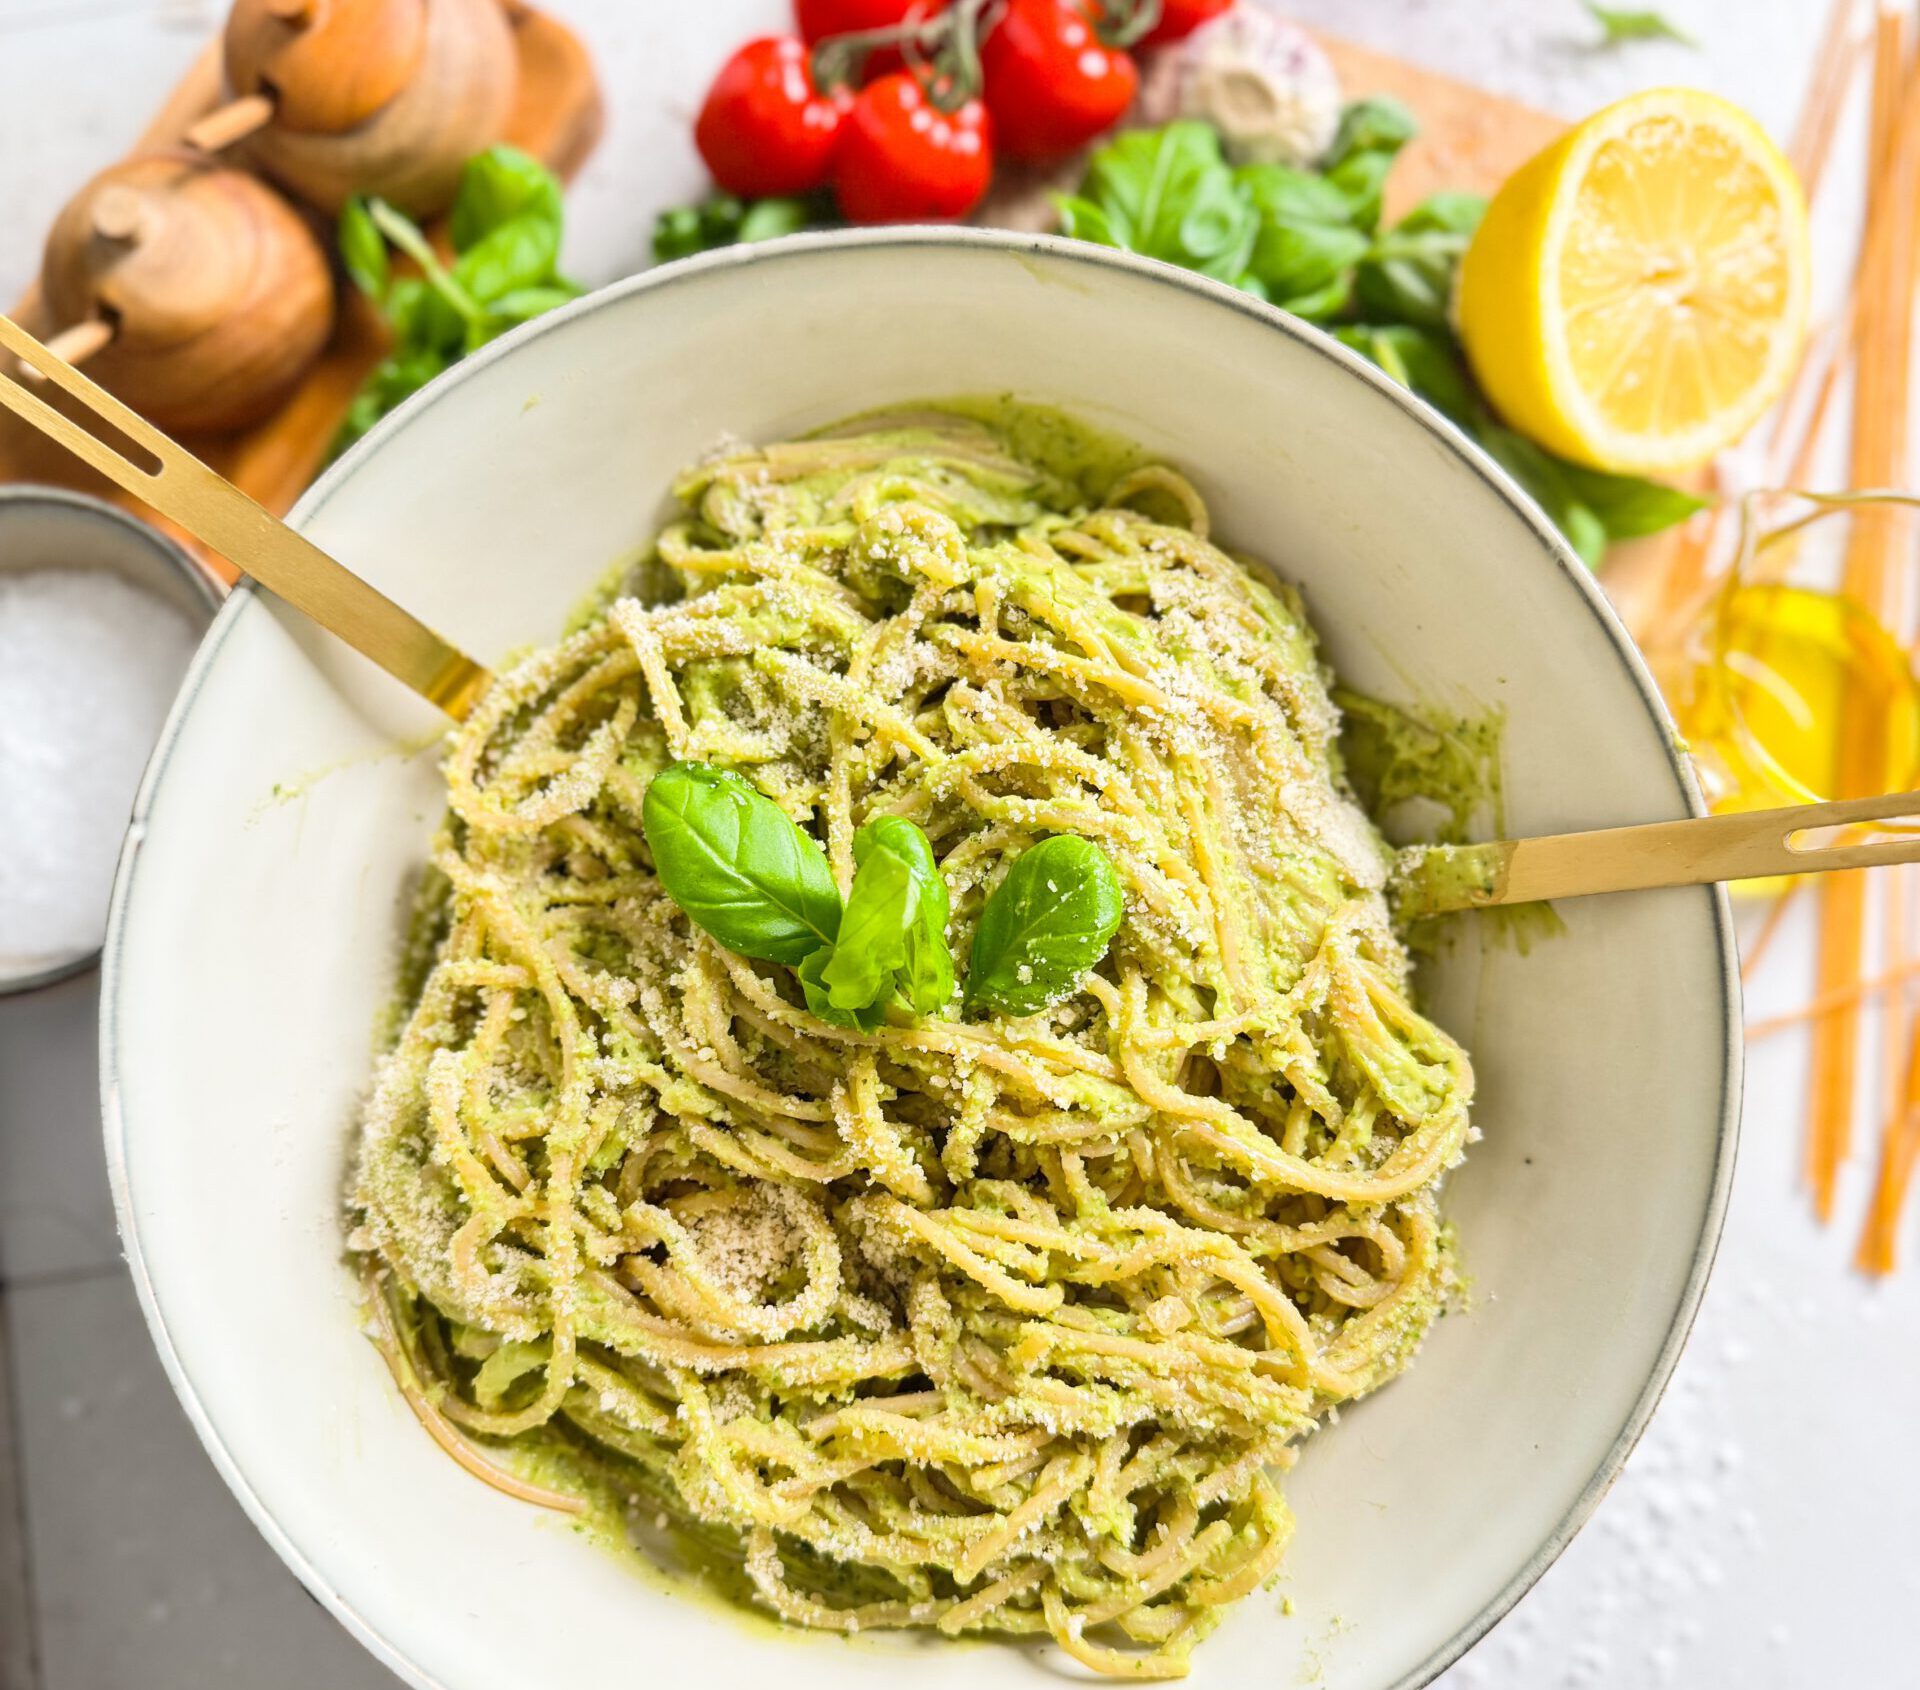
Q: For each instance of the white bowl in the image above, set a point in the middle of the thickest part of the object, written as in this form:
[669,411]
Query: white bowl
[45,528]
[253,939]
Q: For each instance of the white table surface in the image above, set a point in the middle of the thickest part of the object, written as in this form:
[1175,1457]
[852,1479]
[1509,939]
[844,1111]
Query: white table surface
[1765,1535]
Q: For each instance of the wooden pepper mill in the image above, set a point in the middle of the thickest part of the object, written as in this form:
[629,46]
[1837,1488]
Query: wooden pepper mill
[386,97]
[194,292]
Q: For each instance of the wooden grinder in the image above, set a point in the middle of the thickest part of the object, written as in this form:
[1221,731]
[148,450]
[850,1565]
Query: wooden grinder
[386,97]
[195,292]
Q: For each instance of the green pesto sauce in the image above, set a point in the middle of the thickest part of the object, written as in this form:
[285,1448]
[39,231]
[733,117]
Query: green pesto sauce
[1085,459]
[1522,926]
[297,787]
[419,950]
[1458,873]
[1432,776]
[1408,760]
[648,1536]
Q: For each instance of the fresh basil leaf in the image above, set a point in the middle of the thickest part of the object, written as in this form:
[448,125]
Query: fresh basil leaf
[1618,25]
[722,220]
[363,250]
[500,186]
[1362,181]
[1321,307]
[1167,194]
[507,220]
[1422,359]
[1370,136]
[395,379]
[1590,507]
[1048,922]
[1585,532]
[926,978]
[1405,282]
[1450,211]
[523,306]
[1307,268]
[1305,249]
[924,974]
[422,318]
[729,856]
[1082,220]
[893,860]
[401,231]
[1629,506]
[769,219]
[515,256]
[506,225]
[1283,194]
[1408,277]
[811,974]
[894,932]
[1377,125]
[682,230]
[1542,476]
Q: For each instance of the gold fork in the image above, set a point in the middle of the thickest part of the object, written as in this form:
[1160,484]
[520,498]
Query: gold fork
[1746,845]
[217,513]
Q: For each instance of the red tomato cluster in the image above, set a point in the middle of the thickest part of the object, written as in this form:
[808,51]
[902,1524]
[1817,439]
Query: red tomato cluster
[908,146]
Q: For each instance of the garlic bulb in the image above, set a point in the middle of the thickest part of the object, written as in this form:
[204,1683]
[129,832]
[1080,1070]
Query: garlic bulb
[1262,81]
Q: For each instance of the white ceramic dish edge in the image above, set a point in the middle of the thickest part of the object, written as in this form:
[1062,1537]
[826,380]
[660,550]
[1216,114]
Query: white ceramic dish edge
[241,602]
[117,540]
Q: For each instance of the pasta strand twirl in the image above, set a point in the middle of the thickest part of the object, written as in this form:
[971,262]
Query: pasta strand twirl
[986,1325]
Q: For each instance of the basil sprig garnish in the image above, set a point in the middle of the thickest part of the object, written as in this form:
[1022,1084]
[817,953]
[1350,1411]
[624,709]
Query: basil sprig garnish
[729,857]
[894,933]
[745,873]
[864,1016]
[1044,927]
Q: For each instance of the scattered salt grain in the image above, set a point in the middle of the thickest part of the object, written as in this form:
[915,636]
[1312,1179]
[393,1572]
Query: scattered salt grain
[88,665]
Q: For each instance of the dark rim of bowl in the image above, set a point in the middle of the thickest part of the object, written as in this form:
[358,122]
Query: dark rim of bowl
[905,240]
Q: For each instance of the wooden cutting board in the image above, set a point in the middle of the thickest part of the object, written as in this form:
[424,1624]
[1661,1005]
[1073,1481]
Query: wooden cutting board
[557,117]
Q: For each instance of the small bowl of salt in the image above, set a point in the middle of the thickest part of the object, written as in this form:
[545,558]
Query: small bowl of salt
[99,617]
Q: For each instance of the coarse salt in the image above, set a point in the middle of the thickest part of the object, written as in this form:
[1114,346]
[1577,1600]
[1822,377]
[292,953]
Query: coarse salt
[88,665]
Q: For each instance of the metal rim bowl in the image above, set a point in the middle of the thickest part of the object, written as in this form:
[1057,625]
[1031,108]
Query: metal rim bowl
[43,528]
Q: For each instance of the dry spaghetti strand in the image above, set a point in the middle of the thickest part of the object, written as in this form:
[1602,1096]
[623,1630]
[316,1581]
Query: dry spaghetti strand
[1870,574]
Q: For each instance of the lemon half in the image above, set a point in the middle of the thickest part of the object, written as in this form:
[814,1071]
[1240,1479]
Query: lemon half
[1637,294]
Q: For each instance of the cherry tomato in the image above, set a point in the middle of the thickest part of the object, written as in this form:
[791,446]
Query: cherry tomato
[765,129]
[1051,85]
[902,159]
[1180,18]
[821,18]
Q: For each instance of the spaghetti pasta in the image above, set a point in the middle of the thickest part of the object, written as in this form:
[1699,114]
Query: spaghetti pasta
[988,1325]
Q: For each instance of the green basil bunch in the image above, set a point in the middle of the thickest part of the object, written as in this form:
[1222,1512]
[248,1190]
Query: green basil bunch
[893,936]
[506,224]
[1310,241]
[722,220]
[745,873]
